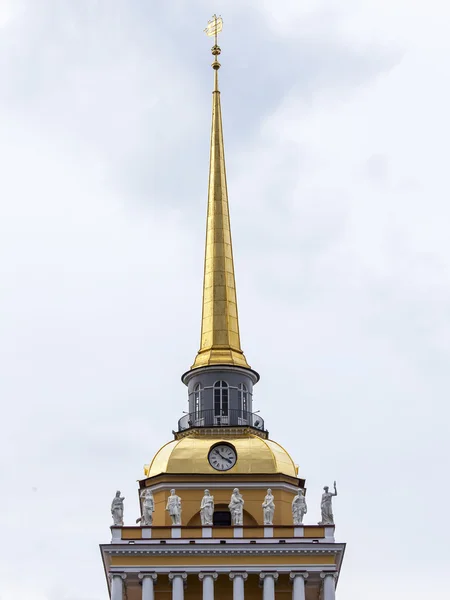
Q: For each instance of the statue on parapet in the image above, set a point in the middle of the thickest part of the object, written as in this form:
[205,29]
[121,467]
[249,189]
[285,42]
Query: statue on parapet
[148,508]
[268,508]
[326,506]
[236,507]
[174,508]
[207,509]
[117,509]
[299,508]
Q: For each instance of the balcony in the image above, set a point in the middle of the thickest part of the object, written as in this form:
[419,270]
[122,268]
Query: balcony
[288,534]
[232,418]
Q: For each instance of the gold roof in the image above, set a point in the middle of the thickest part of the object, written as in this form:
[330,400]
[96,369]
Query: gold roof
[190,455]
[220,341]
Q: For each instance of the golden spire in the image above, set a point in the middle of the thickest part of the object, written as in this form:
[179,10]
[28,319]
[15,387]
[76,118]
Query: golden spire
[220,342]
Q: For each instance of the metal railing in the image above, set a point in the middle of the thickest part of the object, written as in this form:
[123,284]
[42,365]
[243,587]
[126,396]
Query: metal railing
[230,418]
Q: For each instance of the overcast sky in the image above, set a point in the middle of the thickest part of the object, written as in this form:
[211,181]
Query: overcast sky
[337,143]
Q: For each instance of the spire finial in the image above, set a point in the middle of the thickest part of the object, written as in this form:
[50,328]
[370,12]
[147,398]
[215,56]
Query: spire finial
[220,342]
[214,27]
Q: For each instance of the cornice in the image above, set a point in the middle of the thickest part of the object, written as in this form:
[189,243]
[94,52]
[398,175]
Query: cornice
[219,551]
[221,480]
[243,571]
[275,485]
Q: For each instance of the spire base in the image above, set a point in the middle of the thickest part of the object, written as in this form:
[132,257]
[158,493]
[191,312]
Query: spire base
[220,356]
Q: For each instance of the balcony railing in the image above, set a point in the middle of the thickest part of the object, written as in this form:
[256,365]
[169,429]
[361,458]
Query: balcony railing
[230,418]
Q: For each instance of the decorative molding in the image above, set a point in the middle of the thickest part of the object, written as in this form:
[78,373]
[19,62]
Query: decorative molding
[242,574]
[251,373]
[220,551]
[275,485]
[221,431]
[224,570]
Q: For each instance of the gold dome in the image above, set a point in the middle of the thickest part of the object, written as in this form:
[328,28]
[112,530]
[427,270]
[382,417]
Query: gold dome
[190,455]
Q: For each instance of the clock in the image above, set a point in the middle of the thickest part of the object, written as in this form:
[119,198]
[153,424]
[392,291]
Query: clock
[222,457]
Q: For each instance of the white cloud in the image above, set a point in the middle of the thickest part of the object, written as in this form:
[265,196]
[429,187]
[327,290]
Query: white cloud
[7,12]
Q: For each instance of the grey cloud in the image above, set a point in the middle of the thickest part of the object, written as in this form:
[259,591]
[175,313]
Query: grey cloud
[342,284]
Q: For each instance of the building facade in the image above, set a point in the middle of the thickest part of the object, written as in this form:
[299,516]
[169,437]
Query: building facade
[204,532]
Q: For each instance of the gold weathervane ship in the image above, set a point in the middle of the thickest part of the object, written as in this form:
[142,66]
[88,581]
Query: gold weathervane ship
[214,27]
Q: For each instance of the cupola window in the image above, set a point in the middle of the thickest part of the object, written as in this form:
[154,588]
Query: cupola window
[197,401]
[243,399]
[221,403]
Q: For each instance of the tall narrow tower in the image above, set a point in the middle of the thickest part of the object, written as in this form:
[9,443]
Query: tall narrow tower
[222,505]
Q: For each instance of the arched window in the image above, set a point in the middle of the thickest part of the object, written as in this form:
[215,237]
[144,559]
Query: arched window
[221,403]
[243,399]
[197,401]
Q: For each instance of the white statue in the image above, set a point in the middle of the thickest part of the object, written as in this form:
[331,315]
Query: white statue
[236,507]
[268,508]
[174,507]
[299,508]
[148,508]
[117,509]
[207,509]
[326,506]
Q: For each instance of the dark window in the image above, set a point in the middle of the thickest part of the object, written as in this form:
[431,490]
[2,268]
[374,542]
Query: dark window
[197,401]
[243,397]
[221,399]
[222,518]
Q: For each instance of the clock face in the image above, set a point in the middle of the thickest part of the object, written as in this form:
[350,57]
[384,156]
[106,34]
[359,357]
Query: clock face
[222,457]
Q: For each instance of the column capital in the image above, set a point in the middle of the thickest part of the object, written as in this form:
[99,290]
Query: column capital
[173,575]
[295,574]
[328,573]
[154,576]
[204,574]
[242,574]
[121,575]
[264,574]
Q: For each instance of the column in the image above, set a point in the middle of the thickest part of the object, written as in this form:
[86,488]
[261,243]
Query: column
[298,584]
[268,581]
[328,585]
[238,580]
[148,583]
[208,585]
[117,585]
[178,580]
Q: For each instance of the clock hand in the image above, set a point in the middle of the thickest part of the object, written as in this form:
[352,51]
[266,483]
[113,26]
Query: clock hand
[224,457]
